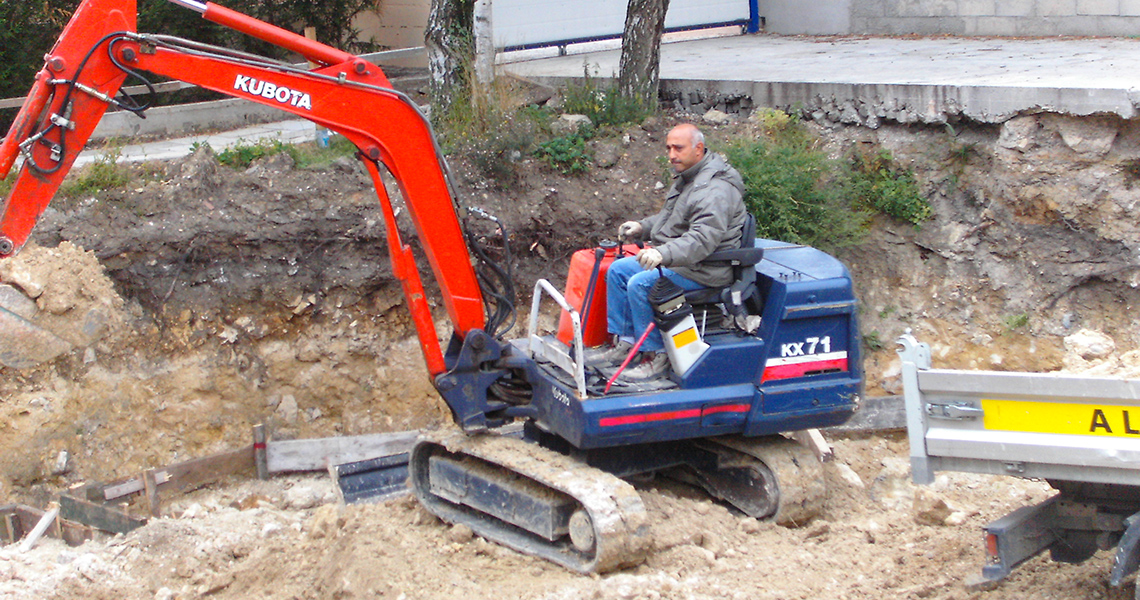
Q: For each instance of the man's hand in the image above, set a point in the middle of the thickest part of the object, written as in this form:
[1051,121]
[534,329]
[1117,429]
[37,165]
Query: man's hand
[649,258]
[630,230]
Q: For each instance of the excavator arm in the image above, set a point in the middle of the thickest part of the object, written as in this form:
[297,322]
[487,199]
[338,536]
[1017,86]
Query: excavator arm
[99,48]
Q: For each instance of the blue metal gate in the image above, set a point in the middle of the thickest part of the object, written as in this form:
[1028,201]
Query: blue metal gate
[520,24]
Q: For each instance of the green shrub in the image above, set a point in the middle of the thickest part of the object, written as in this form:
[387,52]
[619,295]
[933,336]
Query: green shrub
[243,154]
[878,183]
[493,129]
[603,105]
[312,156]
[1015,322]
[790,186]
[104,174]
[567,154]
[801,195]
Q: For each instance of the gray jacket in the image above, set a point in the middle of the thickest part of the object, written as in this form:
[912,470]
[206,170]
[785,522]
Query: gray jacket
[703,212]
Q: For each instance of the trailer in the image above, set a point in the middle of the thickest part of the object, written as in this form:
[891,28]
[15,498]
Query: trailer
[1080,434]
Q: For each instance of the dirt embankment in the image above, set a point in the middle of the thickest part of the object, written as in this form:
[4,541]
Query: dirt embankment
[267,295]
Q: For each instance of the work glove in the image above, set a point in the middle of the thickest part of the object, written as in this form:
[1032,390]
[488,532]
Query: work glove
[649,258]
[630,230]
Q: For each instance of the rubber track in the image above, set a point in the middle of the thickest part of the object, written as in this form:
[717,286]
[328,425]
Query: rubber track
[621,524]
[799,475]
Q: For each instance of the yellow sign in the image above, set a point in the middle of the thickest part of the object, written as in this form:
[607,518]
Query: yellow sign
[1055,417]
[685,338]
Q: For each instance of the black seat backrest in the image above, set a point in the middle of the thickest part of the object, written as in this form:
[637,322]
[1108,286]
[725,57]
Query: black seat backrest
[743,261]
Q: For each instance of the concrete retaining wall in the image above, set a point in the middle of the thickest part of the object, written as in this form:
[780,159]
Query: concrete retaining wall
[954,17]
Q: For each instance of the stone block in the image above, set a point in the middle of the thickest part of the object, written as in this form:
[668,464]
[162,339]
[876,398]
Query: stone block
[978,8]
[1098,7]
[867,8]
[1056,8]
[928,8]
[991,26]
[16,302]
[1019,133]
[1015,8]
[1130,8]
[1087,136]
[23,345]
[1116,26]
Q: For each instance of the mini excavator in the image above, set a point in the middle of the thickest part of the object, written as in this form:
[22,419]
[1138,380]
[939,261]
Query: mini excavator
[773,353]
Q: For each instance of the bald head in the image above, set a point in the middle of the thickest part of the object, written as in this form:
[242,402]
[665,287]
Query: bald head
[685,146]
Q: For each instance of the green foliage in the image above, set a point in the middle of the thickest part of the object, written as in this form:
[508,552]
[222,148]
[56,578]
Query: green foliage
[873,341]
[603,105]
[493,129]
[104,174]
[243,154]
[7,183]
[1131,170]
[312,156]
[879,184]
[801,195]
[567,154]
[791,188]
[1015,322]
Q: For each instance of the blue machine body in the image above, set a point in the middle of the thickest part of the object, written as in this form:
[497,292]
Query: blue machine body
[801,369]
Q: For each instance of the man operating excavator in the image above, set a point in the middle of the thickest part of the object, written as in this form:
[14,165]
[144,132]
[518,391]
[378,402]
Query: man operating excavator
[703,213]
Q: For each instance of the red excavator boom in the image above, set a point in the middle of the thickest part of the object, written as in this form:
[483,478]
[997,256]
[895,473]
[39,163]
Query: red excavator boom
[99,48]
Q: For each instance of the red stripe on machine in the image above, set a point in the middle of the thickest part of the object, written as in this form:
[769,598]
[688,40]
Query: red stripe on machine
[788,368]
[691,413]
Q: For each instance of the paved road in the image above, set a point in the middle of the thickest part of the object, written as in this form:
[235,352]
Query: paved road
[985,79]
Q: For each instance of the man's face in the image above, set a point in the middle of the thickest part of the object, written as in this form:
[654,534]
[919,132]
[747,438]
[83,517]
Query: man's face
[683,153]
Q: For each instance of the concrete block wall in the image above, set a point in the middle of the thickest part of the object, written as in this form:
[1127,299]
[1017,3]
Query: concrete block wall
[955,17]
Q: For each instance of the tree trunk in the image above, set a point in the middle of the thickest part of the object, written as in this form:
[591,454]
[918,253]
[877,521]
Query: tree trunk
[641,50]
[484,43]
[451,48]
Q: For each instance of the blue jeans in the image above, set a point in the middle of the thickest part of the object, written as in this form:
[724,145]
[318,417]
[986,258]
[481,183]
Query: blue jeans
[627,300]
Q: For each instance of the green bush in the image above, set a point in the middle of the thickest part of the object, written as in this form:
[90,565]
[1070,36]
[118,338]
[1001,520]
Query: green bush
[876,181]
[242,155]
[801,195]
[567,154]
[603,105]
[493,129]
[104,174]
[791,188]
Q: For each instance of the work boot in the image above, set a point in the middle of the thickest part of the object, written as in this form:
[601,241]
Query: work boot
[654,365]
[610,355]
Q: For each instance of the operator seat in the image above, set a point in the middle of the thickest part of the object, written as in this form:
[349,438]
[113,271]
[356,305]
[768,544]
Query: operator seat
[741,297]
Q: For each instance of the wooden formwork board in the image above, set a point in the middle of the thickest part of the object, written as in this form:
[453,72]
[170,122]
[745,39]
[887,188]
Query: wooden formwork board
[319,454]
[17,520]
[183,477]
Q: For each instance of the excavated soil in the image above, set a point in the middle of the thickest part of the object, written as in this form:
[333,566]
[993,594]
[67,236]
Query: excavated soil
[203,300]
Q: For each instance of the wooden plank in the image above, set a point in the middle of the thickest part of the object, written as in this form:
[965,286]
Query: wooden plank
[260,438]
[98,516]
[813,440]
[189,475]
[882,413]
[193,474]
[10,526]
[39,530]
[150,492]
[320,453]
[18,519]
